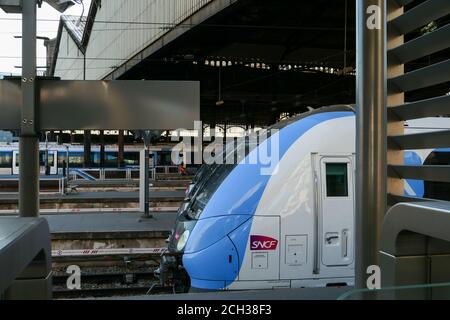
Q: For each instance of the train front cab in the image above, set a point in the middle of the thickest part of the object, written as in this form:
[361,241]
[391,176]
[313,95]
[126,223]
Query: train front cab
[306,241]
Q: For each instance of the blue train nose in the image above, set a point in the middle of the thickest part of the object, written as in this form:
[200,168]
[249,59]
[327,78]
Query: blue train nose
[214,267]
[211,257]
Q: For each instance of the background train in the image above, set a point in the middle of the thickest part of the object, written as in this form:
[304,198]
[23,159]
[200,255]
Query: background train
[239,229]
[61,156]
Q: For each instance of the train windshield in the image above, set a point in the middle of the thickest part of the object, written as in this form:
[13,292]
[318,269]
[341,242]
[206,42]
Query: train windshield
[201,177]
[208,189]
[207,181]
[215,174]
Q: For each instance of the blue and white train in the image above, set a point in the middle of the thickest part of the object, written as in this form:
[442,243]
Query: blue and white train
[71,155]
[240,229]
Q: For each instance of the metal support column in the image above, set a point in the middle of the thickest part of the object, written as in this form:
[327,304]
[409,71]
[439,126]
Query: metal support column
[144,182]
[29,141]
[144,179]
[120,143]
[370,133]
[102,148]
[87,148]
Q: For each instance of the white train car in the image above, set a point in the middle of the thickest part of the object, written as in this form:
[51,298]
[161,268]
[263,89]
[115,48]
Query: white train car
[240,229]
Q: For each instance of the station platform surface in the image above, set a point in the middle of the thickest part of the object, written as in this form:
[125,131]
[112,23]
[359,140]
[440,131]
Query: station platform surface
[42,177]
[329,293]
[97,196]
[110,222]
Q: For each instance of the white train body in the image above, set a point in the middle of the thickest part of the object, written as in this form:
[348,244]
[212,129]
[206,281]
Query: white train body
[240,229]
[295,210]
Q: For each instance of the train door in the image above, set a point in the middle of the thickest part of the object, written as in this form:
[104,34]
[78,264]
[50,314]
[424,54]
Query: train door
[51,162]
[336,210]
[15,163]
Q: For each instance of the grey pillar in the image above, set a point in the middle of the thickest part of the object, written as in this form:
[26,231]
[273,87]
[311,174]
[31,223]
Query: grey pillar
[120,155]
[144,182]
[87,148]
[29,176]
[29,141]
[370,137]
[102,149]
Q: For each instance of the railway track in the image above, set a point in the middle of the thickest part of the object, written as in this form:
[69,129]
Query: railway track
[109,292]
[107,276]
[104,285]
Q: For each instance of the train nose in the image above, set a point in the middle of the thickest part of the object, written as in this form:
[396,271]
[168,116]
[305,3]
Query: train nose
[213,268]
[211,258]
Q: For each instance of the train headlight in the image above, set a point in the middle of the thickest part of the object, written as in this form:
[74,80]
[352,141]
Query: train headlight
[183,240]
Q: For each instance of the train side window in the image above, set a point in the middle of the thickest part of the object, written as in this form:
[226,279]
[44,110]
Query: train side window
[111,159]
[95,159]
[131,158]
[76,159]
[337,179]
[62,156]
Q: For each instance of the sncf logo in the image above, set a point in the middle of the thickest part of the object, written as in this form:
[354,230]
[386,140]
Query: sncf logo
[263,243]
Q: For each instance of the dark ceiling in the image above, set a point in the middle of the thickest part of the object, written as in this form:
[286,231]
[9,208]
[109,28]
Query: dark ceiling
[286,40]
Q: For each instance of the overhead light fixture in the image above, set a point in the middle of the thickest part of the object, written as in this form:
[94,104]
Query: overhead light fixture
[15,6]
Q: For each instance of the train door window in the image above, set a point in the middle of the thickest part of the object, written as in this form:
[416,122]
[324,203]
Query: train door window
[337,180]
[6,159]
[62,158]
[51,158]
[95,159]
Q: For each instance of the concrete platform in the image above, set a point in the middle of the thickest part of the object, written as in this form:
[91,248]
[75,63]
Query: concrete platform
[279,294]
[42,177]
[12,198]
[110,225]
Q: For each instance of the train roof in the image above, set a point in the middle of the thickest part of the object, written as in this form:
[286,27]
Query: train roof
[332,108]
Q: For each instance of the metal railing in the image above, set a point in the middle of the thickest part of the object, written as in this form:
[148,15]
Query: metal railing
[127,174]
